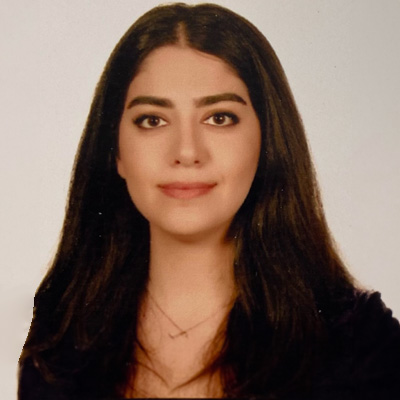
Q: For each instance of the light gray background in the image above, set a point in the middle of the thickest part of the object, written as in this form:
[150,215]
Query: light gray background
[342,58]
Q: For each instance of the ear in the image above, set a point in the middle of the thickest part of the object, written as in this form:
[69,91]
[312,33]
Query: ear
[120,168]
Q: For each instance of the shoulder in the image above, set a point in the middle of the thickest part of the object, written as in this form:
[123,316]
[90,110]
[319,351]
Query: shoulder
[365,319]
[368,329]
[32,386]
[363,351]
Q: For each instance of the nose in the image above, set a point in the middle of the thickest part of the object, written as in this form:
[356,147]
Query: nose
[189,147]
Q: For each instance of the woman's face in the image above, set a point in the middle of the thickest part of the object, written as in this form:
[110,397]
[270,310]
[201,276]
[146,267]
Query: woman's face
[189,142]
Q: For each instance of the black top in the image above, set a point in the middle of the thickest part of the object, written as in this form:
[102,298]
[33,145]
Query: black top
[363,361]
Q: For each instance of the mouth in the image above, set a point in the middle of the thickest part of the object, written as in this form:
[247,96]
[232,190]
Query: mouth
[186,190]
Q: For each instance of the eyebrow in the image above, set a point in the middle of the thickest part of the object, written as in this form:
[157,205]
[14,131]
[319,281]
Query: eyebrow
[209,100]
[202,102]
[154,101]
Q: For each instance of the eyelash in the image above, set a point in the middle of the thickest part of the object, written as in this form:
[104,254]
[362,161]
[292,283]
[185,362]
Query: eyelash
[234,119]
[142,118]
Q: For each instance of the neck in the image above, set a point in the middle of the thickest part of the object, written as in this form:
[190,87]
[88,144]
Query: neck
[196,273]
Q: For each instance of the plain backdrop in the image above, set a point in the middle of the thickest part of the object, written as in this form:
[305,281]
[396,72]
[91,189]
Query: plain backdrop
[342,59]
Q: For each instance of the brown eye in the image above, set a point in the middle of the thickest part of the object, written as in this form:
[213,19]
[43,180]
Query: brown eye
[219,119]
[222,119]
[153,121]
[149,121]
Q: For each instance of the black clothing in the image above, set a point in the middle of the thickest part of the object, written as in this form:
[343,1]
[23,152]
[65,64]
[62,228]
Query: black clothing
[363,359]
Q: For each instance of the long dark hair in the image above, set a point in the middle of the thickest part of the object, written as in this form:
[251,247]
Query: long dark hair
[288,273]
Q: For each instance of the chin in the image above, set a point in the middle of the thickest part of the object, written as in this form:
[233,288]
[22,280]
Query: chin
[192,231]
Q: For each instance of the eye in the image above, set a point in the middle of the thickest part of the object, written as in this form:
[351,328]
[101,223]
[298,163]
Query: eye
[149,121]
[222,119]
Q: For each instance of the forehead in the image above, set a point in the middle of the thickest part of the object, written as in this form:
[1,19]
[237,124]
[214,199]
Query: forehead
[179,69]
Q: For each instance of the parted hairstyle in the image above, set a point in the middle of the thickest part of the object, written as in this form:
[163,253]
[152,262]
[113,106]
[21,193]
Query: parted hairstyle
[288,274]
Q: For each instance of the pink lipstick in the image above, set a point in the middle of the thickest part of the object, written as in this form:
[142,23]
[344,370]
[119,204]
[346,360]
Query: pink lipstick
[186,190]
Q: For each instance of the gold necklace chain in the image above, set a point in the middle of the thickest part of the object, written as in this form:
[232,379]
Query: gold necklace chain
[182,332]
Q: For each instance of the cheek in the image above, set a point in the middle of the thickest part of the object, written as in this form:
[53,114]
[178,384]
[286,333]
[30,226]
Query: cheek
[243,159]
[137,185]
[250,158]
[137,165]
[136,171]
[136,159]
[245,174]
[121,168]
[240,167]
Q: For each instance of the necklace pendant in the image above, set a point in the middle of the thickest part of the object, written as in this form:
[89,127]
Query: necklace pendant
[183,333]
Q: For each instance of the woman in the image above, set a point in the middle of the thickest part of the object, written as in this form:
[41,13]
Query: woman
[195,259]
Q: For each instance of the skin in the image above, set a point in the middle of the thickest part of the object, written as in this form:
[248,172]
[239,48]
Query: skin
[186,144]
[189,144]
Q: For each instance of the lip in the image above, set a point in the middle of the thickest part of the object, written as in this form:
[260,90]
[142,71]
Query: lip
[186,190]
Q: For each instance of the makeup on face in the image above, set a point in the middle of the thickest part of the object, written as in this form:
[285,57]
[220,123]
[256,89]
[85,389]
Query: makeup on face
[189,141]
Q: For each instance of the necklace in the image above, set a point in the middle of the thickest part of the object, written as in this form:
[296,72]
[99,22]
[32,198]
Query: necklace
[182,332]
